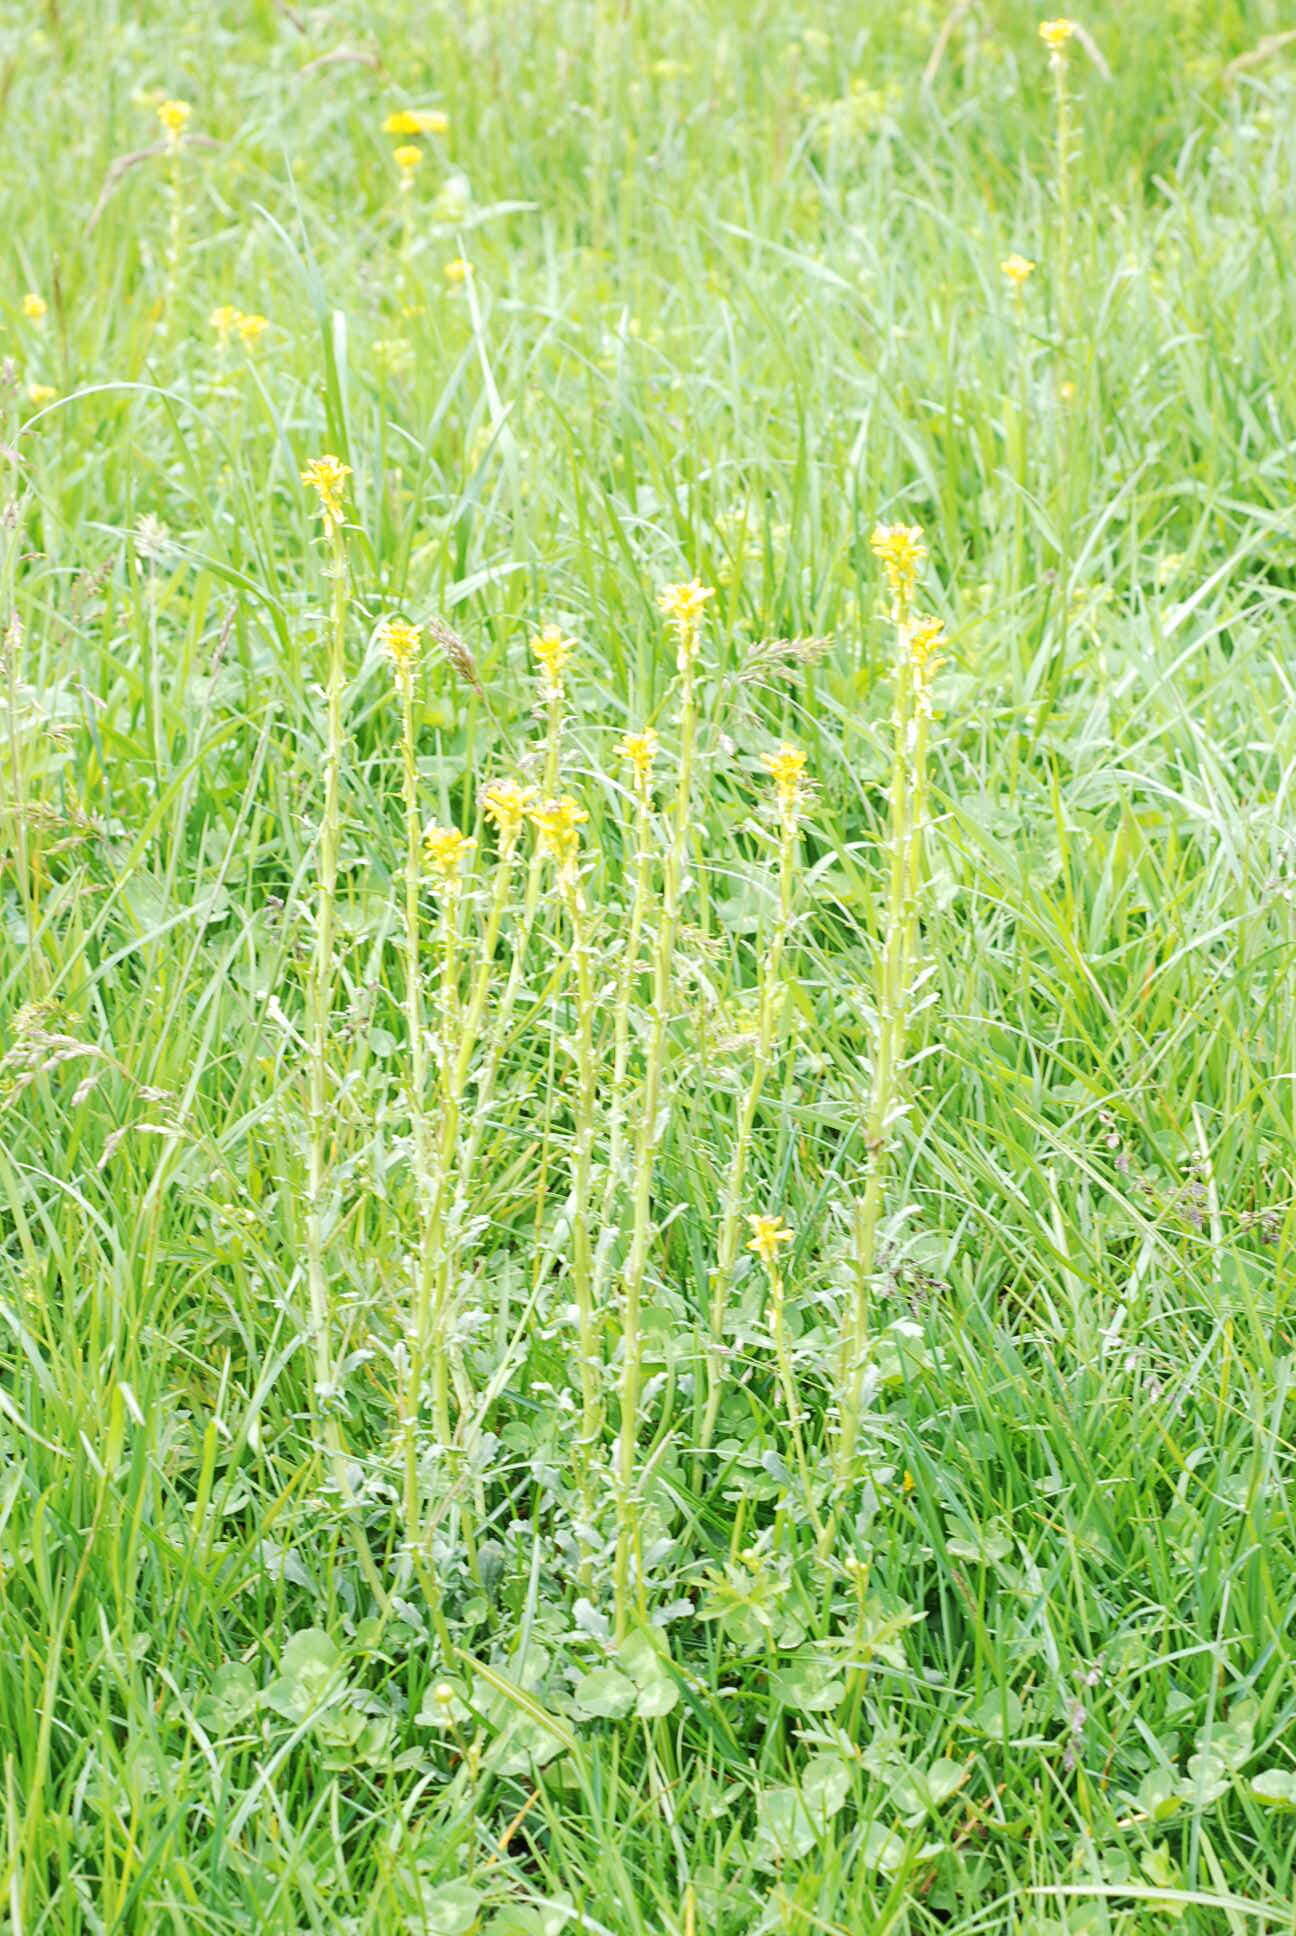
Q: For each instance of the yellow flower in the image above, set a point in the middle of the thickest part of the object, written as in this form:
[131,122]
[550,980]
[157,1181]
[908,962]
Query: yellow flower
[557,823]
[768,1236]
[457,270]
[552,651]
[327,476]
[640,749]
[415,121]
[401,641]
[34,306]
[446,850]
[41,393]
[901,550]
[1019,269]
[683,606]
[174,116]
[251,329]
[927,641]
[407,158]
[1056,33]
[506,804]
[225,319]
[785,769]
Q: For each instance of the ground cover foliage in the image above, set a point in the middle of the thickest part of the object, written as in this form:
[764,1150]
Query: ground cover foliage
[619,1310]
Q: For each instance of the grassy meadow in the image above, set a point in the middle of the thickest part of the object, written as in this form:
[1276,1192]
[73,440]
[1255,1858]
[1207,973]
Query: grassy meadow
[648,968]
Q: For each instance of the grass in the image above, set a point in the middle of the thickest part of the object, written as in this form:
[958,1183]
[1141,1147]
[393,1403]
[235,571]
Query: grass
[516,1599]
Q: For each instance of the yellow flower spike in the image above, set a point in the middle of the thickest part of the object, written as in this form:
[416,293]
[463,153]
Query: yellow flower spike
[174,116]
[901,549]
[769,1234]
[457,270]
[409,121]
[683,607]
[250,330]
[34,306]
[785,768]
[552,652]
[407,159]
[1055,34]
[1018,269]
[557,822]
[225,320]
[401,642]
[446,851]
[39,393]
[640,749]
[506,804]
[327,476]
[926,644]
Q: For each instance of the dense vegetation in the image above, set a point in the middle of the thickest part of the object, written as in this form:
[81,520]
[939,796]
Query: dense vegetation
[647,1043]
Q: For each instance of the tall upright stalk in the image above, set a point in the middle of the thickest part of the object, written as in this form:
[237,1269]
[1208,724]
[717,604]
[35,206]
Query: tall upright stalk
[901,550]
[683,606]
[327,476]
[786,767]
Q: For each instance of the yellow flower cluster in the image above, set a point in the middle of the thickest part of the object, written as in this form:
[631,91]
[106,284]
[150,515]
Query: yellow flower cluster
[1055,34]
[552,651]
[769,1234]
[401,642]
[640,750]
[34,306]
[407,158]
[39,393]
[785,768]
[446,852]
[1018,269]
[506,805]
[408,121]
[174,116]
[926,643]
[457,270]
[901,550]
[228,321]
[557,822]
[684,606]
[327,476]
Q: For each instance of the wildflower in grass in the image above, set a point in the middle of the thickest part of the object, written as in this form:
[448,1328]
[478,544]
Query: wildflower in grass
[34,307]
[557,823]
[39,393]
[786,768]
[401,642]
[407,159]
[901,550]
[1018,269]
[409,121]
[457,270]
[506,805]
[1056,34]
[926,643]
[174,116]
[918,647]
[446,852]
[684,606]
[327,476]
[639,750]
[225,319]
[250,330]
[552,652]
[769,1235]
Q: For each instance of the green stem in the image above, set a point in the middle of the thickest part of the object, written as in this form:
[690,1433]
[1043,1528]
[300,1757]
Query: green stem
[646,1140]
